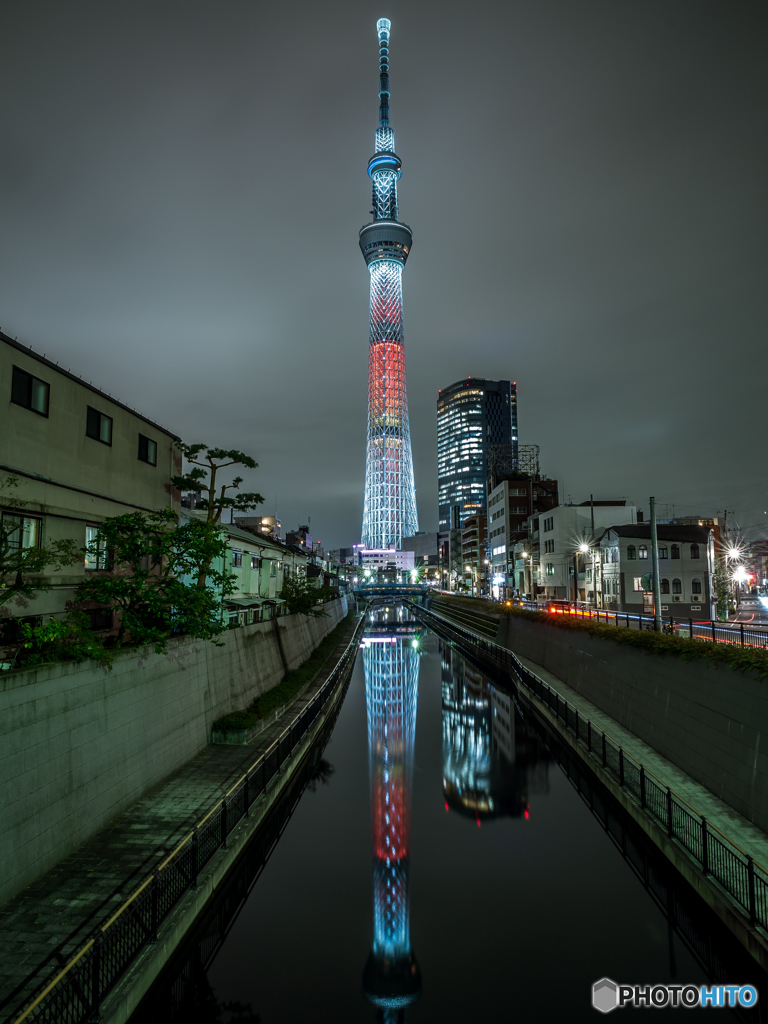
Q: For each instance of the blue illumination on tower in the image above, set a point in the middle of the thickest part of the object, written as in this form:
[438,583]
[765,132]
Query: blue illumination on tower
[389,512]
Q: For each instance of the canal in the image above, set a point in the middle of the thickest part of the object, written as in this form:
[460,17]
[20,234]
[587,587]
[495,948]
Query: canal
[436,861]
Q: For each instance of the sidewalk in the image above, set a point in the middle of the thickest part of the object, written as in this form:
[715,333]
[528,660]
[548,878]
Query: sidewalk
[735,826]
[46,923]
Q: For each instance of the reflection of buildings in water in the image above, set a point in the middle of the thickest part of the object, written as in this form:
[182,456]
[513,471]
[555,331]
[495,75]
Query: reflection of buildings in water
[492,762]
[391,978]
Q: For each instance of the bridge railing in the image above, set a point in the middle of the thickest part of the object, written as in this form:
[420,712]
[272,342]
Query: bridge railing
[719,857]
[75,994]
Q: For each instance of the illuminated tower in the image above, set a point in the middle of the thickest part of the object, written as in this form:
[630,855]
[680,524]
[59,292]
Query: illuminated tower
[391,978]
[389,513]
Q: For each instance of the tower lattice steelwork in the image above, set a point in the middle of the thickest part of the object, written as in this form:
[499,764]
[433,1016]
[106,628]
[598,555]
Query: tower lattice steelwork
[392,979]
[389,513]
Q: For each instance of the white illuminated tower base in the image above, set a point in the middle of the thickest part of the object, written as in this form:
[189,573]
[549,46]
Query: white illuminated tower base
[389,512]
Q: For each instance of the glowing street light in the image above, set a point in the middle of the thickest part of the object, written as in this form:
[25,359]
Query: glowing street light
[584,548]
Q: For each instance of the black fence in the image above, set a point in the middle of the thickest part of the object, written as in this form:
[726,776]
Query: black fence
[75,995]
[744,880]
[738,633]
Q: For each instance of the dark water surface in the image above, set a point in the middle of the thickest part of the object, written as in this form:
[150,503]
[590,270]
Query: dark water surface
[441,866]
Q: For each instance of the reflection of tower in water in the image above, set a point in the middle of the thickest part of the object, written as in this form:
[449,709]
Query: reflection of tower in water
[391,978]
[492,762]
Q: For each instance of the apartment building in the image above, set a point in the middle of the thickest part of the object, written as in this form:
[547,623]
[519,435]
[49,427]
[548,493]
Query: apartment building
[510,504]
[80,456]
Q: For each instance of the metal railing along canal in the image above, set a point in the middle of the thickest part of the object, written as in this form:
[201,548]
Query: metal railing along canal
[719,857]
[75,995]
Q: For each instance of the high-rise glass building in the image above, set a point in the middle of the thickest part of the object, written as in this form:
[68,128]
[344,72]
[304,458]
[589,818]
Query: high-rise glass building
[471,415]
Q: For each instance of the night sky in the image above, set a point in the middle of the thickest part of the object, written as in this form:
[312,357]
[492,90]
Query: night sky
[182,185]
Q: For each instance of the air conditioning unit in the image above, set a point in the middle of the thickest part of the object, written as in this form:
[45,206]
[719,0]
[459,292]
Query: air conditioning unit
[678,597]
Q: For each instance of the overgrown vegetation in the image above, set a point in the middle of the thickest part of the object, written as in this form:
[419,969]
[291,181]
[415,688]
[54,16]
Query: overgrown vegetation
[292,682]
[303,596]
[70,639]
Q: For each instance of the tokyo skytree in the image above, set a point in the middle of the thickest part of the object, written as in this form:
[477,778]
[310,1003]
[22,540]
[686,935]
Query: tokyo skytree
[389,512]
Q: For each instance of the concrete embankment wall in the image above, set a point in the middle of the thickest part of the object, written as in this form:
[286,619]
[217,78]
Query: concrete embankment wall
[80,744]
[706,718]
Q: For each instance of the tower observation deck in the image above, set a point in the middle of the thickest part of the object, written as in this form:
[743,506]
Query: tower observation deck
[389,512]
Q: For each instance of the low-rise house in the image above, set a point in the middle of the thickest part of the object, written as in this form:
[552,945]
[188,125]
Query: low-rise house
[260,566]
[686,566]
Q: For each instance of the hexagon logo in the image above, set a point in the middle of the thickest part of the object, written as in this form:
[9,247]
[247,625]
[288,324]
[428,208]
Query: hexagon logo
[605,995]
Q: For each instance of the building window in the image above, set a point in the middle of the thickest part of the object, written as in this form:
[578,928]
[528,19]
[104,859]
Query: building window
[675,550]
[614,554]
[695,586]
[29,392]
[677,587]
[255,562]
[20,532]
[98,426]
[147,450]
[550,569]
[273,568]
[642,551]
[100,618]
[237,558]
[695,552]
[663,551]
[97,556]
[637,583]
[631,553]
[665,586]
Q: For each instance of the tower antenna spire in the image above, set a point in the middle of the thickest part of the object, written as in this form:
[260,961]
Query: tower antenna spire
[383,25]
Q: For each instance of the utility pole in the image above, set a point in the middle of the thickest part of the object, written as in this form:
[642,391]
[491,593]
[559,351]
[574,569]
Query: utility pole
[656,581]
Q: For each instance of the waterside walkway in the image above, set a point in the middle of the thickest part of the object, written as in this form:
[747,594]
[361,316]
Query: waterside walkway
[45,924]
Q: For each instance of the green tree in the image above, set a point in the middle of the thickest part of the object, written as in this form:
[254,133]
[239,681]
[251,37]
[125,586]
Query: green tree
[207,463]
[153,582]
[302,596]
[23,560]
[68,639]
